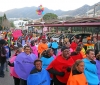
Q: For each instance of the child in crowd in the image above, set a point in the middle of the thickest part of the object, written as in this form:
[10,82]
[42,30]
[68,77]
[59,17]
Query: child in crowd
[8,54]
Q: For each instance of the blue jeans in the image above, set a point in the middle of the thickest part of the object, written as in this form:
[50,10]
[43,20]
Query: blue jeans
[55,51]
[7,64]
[2,69]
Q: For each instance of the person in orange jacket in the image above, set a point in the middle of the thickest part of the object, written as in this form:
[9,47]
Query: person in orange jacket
[77,76]
[42,46]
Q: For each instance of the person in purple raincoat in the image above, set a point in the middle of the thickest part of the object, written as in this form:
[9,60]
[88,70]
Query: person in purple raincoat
[98,64]
[23,64]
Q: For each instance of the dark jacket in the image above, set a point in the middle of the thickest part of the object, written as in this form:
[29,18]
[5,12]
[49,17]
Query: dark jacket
[2,54]
[35,71]
[8,52]
[97,48]
[75,72]
[55,72]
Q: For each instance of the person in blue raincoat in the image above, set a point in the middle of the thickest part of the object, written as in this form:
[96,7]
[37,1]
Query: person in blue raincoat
[54,46]
[50,43]
[47,58]
[90,69]
[38,76]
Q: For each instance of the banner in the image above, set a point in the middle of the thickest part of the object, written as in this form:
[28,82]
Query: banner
[24,64]
[17,33]
[40,78]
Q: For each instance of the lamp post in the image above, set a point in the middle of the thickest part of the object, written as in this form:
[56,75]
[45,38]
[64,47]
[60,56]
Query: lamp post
[94,10]
[33,29]
[62,22]
[22,25]
[43,26]
[62,38]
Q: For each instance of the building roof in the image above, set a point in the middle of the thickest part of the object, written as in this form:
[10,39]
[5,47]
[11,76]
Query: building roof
[70,22]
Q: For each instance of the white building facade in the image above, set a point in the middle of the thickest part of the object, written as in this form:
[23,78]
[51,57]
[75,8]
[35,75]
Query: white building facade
[20,24]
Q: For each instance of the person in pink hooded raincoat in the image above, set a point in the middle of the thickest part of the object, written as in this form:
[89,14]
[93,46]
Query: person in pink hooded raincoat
[34,48]
[12,71]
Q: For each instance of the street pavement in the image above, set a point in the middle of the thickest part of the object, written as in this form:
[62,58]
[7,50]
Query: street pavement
[7,80]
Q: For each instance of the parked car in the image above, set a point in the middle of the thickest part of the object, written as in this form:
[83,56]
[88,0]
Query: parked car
[71,36]
[51,34]
[82,36]
[58,37]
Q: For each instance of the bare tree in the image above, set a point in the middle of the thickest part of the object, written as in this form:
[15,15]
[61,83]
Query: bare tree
[5,23]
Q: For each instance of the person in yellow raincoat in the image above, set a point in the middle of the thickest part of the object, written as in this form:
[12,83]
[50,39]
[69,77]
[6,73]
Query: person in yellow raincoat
[77,76]
[82,50]
[89,45]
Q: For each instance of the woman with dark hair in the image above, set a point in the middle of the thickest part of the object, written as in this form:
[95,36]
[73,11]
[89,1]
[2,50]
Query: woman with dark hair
[38,75]
[77,76]
[47,58]
[2,57]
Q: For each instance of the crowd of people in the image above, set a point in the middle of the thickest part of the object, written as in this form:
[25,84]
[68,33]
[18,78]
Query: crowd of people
[44,61]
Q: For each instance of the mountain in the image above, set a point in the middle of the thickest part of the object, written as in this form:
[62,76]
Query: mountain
[30,12]
[79,11]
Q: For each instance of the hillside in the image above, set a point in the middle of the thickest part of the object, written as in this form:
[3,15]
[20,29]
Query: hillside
[30,12]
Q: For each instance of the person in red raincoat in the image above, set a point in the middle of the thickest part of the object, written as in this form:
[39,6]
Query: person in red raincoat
[60,67]
[75,43]
[77,54]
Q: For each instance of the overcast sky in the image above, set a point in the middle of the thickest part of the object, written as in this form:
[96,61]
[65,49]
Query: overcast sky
[51,4]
